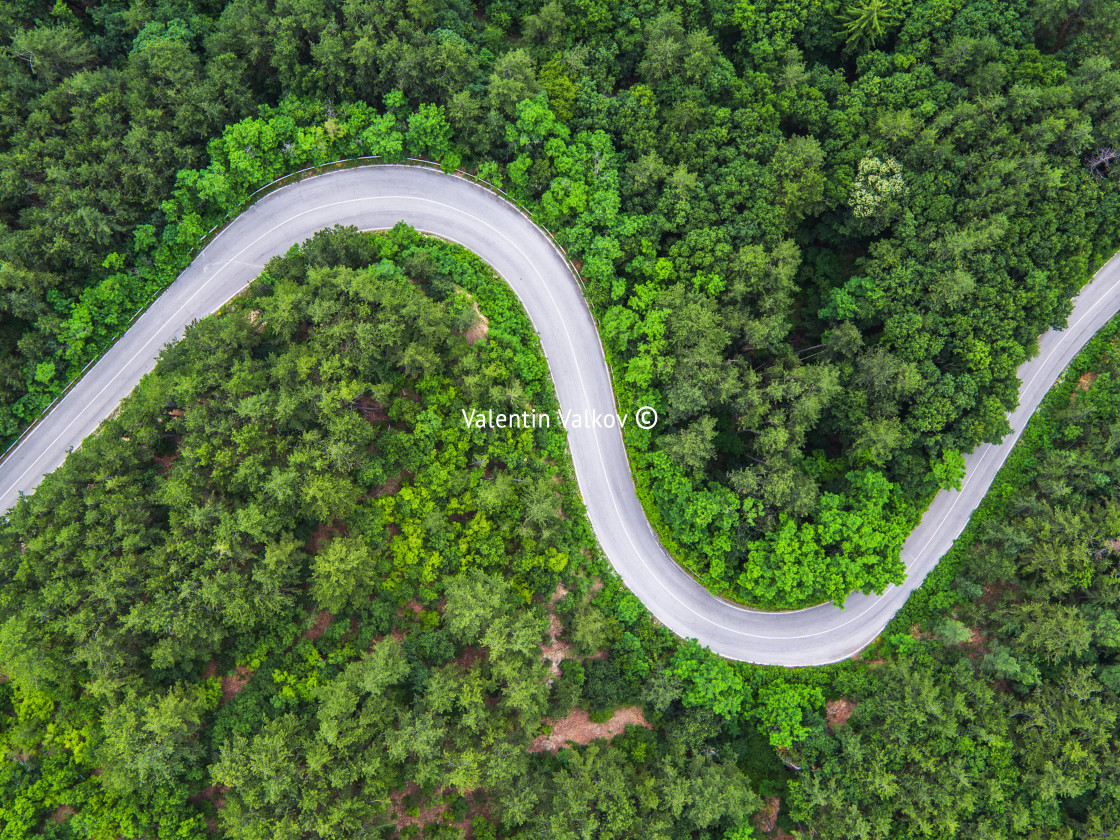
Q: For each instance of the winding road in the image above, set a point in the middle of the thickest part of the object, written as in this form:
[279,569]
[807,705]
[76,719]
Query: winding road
[377,197]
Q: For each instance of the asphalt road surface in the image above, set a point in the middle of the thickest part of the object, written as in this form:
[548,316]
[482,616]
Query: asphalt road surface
[377,197]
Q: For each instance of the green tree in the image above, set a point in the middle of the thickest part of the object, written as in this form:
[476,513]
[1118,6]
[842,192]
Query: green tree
[867,22]
[150,741]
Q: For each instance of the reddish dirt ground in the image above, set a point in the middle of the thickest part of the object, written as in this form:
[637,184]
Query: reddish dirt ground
[766,820]
[215,793]
[992,593]
[232,684]
[322,535]
[390,487]
[61,814]
[577,727]
[481,327]
[555,651]
[371,409]
[319,626]
[431,809]
[1085,382]
[397,634]
[470,656]
[165,462]
[838,711]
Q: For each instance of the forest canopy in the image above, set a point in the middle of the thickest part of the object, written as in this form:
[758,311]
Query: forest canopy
[281,594]
[288,572]
[818,238]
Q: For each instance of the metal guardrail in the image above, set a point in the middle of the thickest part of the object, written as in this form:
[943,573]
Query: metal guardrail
[252,198]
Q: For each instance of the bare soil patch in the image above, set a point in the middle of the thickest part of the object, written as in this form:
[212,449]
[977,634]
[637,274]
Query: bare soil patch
[975,644]
[1085,382]
[993,591]
[838,711]
[555,651]
[319,626]
[578,728]
[165,462]
[481,327]
[391,487]
[371,409]
[215,794]
[233,683]
[766,820]
[470,656]
[431,809]
[61,814]
[322,535]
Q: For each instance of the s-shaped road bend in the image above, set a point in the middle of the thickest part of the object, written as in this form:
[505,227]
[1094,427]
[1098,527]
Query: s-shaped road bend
[377,197]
